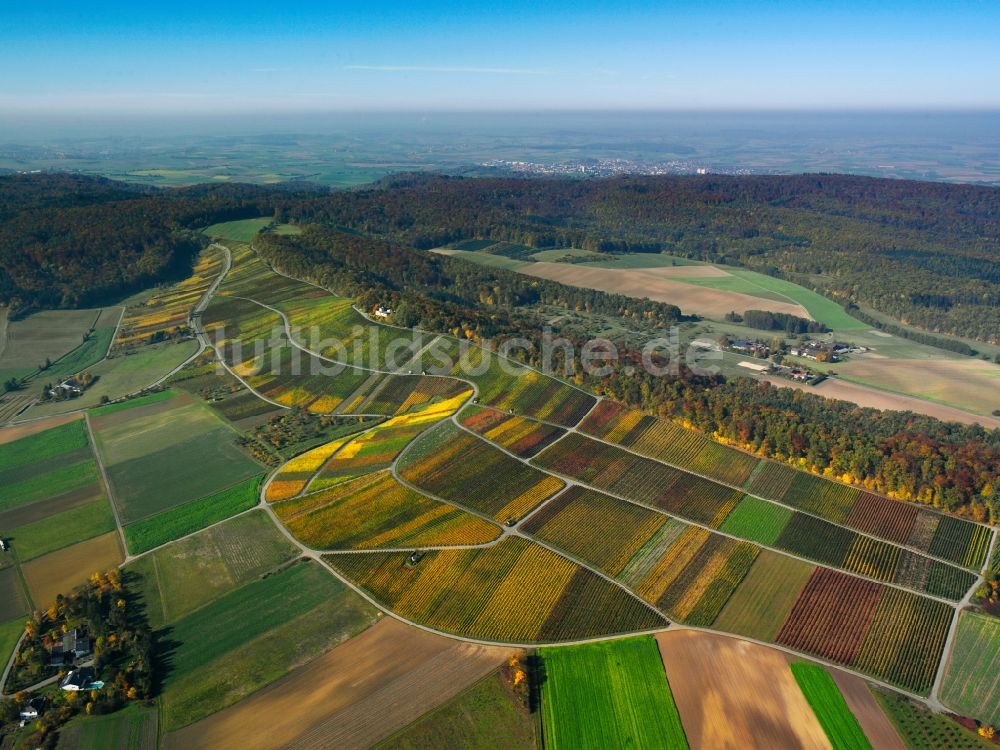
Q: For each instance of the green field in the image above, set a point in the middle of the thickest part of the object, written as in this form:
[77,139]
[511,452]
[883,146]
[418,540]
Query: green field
[483,717]
[971,685]
[760,605]
[122,375]
[483,259]
[827,702]
[243,230]
[132,728]
[85,356]
[612,694]
[757,520]
[10,632]
[250,637]
[180,578]
[185,519]
[42,445]
[48,484]
[922,729]
[63,529]
[558,253]
[150,398]
[644,260]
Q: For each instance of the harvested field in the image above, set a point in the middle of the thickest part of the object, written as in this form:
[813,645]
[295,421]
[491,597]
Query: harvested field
[641,283]
[964,383]
[48,334]
[59,572]
[864,395]
[715,676]
[351,697]
[876,725]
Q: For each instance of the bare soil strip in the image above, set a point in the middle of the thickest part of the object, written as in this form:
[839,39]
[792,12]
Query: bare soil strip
[876,725]
[711,303]
[863,395]
[737,695]
[355,695]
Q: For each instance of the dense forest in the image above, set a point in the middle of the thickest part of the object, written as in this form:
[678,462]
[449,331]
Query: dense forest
[926,254]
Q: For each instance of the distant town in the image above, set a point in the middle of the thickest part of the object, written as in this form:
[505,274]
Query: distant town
[611,167]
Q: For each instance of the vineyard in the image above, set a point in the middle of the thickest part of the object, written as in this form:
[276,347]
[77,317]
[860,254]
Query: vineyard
[377,511]
[665,441]
[650,494]
[701,501]
[598,529]
[891,634]
[452,464]
[522,437]
[166,312]
[953,539]
[528,393]
[514,591]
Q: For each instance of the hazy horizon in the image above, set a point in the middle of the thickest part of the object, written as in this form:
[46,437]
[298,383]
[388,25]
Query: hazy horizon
[250,57]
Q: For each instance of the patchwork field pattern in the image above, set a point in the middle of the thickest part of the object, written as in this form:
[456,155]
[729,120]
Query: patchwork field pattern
[51,501]
[411,509]
[515,591]
[377,511]
[665,441]
[452,464]
[177,438]
[701,501]
[891,634]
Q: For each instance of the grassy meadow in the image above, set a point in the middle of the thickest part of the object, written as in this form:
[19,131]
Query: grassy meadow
[970,683]
[242,230]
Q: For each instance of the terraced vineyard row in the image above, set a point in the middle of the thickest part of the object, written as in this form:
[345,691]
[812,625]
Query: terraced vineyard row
[717,506]
[450,463]
[377,511]
[522,437]
[954,539]
[892,634]
[515,591]
[665,441]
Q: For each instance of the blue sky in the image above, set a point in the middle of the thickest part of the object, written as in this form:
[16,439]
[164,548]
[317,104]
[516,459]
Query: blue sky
[183,56]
